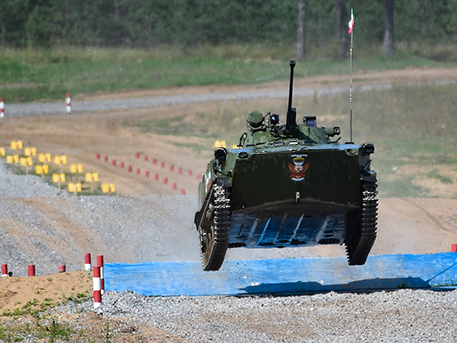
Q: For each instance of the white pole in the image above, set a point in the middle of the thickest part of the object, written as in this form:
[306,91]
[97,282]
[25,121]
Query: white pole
[350,86]
[2,108]
[350,73]
[68,102]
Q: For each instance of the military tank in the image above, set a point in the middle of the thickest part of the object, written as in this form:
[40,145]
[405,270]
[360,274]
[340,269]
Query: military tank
[287,185]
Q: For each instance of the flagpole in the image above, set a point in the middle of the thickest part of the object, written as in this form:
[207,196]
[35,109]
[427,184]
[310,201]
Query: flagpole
[350,73]
[350,85]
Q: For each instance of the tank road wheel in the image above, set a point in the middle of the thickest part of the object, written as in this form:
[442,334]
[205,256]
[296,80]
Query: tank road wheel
[361,226]
[214,237]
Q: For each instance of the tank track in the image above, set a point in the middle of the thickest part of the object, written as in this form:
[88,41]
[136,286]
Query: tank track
[214,236]
[360,241]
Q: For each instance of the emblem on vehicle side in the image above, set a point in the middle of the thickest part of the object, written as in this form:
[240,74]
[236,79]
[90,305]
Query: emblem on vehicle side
[298,168]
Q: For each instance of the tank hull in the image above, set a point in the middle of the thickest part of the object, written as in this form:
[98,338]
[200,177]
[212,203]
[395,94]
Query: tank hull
[322,174]
[292,197]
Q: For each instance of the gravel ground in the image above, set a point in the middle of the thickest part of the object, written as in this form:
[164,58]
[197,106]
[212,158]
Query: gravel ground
[44,226]
[25,186]
[400,316]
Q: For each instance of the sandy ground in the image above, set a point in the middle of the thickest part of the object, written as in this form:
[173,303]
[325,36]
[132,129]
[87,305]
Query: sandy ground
[431,222]
[18,291]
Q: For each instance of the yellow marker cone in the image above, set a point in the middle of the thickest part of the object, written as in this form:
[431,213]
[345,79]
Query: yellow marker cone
[39,171]
[92,178]
[71,187]
[55,178]
[220,144]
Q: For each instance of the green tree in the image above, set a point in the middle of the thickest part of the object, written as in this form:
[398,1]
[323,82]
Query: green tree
[148,23]
[389,47]
[301,32]
[341,28]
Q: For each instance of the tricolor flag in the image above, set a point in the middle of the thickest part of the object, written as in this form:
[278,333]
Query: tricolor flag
[351,22]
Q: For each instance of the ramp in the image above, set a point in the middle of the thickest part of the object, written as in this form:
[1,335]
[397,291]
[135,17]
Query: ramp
[284,276]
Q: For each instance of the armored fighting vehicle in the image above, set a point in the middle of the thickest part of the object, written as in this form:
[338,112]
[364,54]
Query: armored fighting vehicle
[287,186]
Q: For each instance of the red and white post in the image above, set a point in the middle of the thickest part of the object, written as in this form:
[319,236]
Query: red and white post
[97,288]
[2,108]
[88,263]
[102,276]
[4,270]
[68,101]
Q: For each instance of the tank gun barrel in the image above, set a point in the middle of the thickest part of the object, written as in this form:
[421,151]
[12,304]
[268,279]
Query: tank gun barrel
[291,112]
[291,83]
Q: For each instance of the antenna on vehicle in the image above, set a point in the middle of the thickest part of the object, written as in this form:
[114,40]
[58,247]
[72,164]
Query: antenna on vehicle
[291,122]
[351,31]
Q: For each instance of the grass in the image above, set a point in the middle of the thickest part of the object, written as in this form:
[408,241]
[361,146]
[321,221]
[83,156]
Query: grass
[34,320]
[34,82]
[168,126]
[442,178]
[36,74]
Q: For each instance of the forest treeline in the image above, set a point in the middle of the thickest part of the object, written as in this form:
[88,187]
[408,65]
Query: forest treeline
[149,23]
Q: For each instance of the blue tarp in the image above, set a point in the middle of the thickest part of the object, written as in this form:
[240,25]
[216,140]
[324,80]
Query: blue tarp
[284,276]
